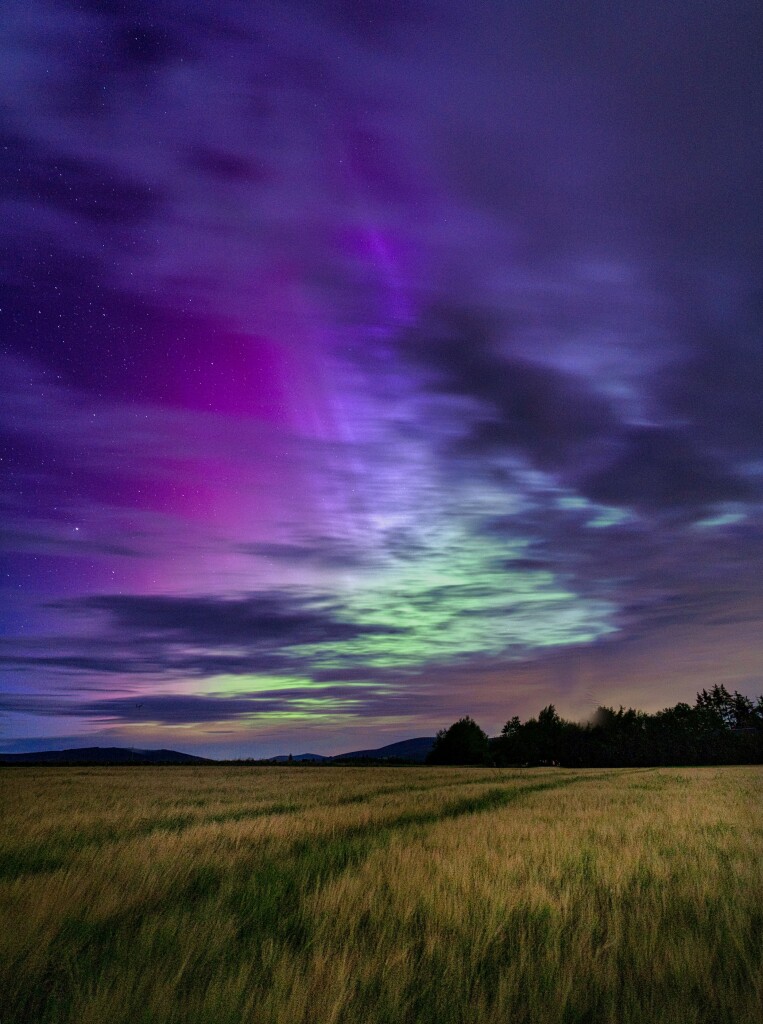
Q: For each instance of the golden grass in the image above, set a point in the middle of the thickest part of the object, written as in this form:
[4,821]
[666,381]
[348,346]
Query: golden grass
[282,896]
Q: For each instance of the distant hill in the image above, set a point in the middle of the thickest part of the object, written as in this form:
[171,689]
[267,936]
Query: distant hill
[103,755]
[414,750]
[404,750]
[300,757]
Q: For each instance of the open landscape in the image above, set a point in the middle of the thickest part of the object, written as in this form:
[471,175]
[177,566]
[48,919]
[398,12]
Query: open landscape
[291,895]
[381,512]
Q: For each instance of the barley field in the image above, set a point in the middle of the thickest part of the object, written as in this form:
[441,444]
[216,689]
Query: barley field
[370,895]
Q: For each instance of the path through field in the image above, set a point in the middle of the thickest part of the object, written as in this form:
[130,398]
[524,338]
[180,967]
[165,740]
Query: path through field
[370,895]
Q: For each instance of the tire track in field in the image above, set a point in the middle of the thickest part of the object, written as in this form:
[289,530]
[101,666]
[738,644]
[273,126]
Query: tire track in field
[57,850]
[264,895]
[268,897]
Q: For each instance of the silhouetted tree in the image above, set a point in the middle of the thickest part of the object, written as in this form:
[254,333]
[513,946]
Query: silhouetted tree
[463,743]
[721,728]
[512,727]
[719,702]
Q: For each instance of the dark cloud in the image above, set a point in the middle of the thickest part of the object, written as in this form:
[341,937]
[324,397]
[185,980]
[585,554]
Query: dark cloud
[59,542]
[140,658]
[658,468]
[658,562]
[560,422]
[262,619]
[717,387]
[324,553]
[187,709]
[513,405]
[197,636]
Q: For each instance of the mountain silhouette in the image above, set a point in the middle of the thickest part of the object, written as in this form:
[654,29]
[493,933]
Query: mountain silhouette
[103,755]
[415,750]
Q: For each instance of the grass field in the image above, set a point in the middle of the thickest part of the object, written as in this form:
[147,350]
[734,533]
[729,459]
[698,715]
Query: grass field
[374,895]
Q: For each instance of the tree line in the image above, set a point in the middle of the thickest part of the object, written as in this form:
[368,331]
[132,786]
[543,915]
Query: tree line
[719,728]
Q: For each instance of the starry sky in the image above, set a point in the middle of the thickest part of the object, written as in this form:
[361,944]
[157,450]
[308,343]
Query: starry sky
[367,364]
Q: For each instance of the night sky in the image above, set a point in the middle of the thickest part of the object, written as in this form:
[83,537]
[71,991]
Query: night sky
[364,364]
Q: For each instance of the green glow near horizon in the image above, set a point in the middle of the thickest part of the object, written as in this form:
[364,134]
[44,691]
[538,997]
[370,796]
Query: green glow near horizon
[458,599]
[447,595]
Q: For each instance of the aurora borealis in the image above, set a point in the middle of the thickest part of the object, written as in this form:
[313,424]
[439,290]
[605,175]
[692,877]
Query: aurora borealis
[368,364]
